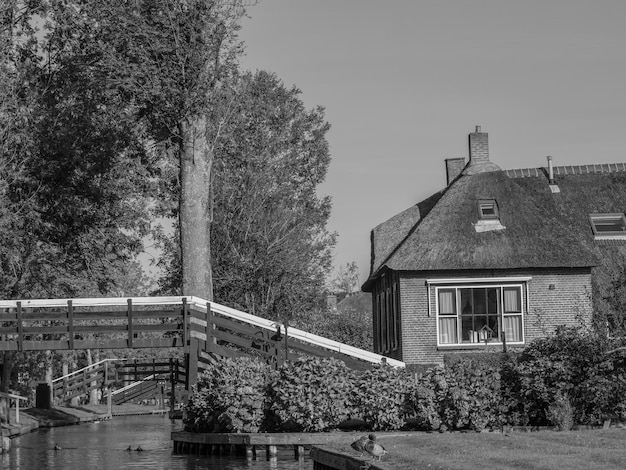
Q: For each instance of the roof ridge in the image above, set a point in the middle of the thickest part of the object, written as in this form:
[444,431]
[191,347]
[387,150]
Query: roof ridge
[564,170]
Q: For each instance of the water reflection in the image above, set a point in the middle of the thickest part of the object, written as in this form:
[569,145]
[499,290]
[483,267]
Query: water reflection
[104,446]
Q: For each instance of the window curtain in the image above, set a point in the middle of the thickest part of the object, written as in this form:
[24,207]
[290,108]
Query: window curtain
[446,301]
[512,301]
[447,331]
[513,328]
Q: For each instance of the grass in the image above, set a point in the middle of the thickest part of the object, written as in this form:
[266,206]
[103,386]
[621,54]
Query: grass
[574,450]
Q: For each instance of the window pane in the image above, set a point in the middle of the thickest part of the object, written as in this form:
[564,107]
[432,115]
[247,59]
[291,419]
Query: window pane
[466,302]
[492,300]
[447,331]
[447,302]
[513,328]
[480,301]
[470,335]
[512,300]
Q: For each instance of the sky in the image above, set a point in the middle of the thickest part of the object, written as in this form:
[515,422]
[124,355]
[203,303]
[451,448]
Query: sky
[403,82]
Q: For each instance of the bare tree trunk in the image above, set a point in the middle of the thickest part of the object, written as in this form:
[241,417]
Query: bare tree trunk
[196,159]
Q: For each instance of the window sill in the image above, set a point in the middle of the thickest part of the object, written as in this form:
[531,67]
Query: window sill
[473,346]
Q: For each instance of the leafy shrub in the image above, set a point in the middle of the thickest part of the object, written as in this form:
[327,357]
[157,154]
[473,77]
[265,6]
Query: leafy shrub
[381,399]
[466,394]
[312,394]
[561,413]
[570,363]
[424,399]
[229,397]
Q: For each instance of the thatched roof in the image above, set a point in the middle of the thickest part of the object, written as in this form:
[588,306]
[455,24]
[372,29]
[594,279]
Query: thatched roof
[542,229]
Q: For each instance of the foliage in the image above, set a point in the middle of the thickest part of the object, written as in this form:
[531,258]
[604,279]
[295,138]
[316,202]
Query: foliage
[312,394]
[269,242]
[466,394]
[347,279]
[351,324]
[609,292]
[381,397]
[271,248]
[571,364]
[229,396]
[560,413]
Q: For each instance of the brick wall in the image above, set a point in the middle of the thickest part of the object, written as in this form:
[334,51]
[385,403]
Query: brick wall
[555,297]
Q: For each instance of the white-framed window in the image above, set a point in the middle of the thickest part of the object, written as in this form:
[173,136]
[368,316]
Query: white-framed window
[487,209]
[473,313]
[611,225]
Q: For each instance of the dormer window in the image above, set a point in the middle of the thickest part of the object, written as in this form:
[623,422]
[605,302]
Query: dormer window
[488,216]
[606,226]
[487,209]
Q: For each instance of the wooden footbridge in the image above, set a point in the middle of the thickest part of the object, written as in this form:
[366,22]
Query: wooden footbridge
[205,331]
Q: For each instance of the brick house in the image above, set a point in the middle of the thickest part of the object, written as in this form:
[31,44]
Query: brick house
[497,256]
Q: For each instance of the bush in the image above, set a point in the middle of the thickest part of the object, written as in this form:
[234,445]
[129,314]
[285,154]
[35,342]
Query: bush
[570,363]
[425,397]
[464,395]
[230,396]
[312,394]
[382,400]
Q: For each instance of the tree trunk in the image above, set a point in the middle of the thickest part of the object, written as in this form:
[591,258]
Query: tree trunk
[196,159]
[5,384]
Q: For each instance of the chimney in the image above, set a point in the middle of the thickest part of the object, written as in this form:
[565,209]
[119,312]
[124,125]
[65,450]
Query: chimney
[478,146]
[454,167]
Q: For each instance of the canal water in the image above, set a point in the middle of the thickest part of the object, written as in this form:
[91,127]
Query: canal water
[103,446]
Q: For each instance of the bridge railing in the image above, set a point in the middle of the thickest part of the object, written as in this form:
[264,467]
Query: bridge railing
[82,381]
[228,332]
[16,398]
[111,323]
[207,329]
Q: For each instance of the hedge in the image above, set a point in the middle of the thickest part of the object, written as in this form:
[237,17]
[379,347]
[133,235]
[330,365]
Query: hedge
[567,378]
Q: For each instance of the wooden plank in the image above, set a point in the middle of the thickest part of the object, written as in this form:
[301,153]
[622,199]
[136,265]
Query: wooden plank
[44,330]
[100,328]
[206,438]
[242,342]
[165,364]
[159,327]
[232,325]
[44,316]
[229,352]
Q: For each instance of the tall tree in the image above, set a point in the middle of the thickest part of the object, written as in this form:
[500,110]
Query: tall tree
[271,250]
[171,59]
[72,184]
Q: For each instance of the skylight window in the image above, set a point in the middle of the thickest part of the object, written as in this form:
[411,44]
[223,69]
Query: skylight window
[487,209]
[608,225]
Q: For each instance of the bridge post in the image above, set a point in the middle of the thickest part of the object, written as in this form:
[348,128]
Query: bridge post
[192,362]
[210,326]
[191,349]
[20,328]
[70,323]
[173,382]
[130,323]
